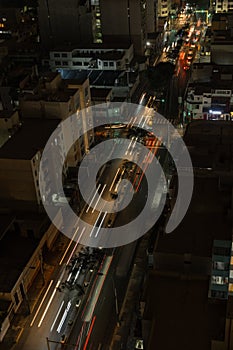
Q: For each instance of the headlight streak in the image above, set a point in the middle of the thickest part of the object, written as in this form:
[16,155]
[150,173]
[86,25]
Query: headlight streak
[136,116]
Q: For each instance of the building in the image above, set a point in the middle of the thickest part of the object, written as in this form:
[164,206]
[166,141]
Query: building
[222,6]
[209,95]
[19,164]
[101,95]
[123,83]
[127,21]
[187,294]
[65,22]
[47,97]
[18,273]
[164,7]
[96,21]
[101,57]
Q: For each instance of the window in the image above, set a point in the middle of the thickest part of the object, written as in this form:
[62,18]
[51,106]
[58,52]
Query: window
[222,251]
[64,55]
[56,55]
[65,63]
[105,64]
[77,63]
[57,63]
[111,64]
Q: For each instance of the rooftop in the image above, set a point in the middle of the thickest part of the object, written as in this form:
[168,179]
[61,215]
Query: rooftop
[98,46]
[31,137]
[101,94]
[20,250]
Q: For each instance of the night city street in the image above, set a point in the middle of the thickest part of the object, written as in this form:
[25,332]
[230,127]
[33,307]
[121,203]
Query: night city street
[116,164]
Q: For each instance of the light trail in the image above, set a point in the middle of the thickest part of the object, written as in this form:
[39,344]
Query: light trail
[110,189]
[94,226]
[41,303]
[89,333]
[133,146]
[98,198]
[93,198]
[55,320]
[64,317]
[126,152]
[101,223]
[72,239]
[48,304]
[84,228]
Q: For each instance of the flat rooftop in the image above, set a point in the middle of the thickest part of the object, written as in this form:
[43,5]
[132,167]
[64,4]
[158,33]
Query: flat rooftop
[205,220]
[98,46]
[15,252]
[99,94]
[202,87]
[180,314]
[100,77]
[29,138]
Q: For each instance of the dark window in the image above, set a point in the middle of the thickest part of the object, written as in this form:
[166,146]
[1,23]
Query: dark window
[64,55]
[58,63]
[65,63]
[105,64]
[111,64]
[77,63]
[56,55]
[222,251]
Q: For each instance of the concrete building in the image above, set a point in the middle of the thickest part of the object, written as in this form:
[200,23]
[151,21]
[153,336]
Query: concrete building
[101,95]
[177,297]
[19,164]
[209,95]
[122,83]
[18,273]
[222,6]
[47,97]
[65,22]
[101,57]
[164,7]
[127,20]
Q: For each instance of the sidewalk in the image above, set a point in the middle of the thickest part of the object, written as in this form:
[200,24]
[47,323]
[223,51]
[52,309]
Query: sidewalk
[23,315]
[124,332]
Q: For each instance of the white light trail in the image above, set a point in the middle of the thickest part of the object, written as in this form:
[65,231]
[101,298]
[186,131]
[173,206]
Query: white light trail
[41,303]
[64,317]
[101,223]
[71,241]
[48,304]
[93,198]
[94,226]
[98,198]
[55,320]
[113,181]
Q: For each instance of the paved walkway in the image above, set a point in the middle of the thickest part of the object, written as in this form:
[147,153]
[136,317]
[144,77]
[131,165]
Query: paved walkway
[123,337]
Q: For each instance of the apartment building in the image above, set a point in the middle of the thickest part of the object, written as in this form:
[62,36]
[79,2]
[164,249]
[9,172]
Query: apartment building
[95,57]
[96,21]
